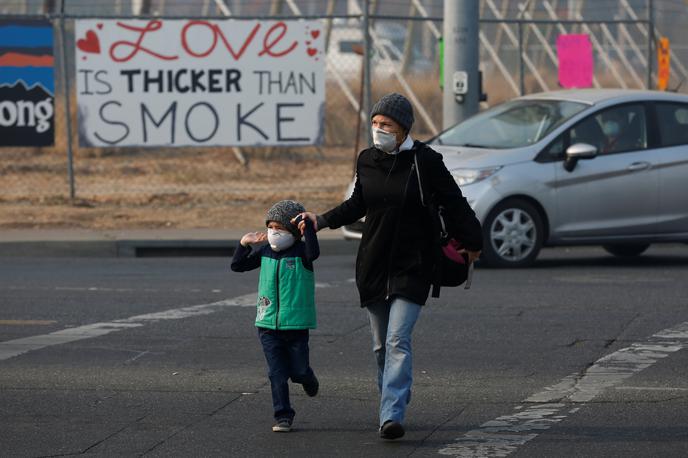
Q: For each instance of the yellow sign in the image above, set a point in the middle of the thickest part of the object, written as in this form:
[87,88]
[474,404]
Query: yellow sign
[663,63]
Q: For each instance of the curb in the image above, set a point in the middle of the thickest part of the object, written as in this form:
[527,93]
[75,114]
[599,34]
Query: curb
[138,248]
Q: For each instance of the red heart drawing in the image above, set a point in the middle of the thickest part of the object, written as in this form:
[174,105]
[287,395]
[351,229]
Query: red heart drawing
[100,26]
[90,43]
[315,33]
[311,51]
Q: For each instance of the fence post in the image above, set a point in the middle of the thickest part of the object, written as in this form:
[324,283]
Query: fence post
[650,40]
[67,97]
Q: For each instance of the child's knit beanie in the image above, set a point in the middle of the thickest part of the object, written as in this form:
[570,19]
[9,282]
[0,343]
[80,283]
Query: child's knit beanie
[283,212]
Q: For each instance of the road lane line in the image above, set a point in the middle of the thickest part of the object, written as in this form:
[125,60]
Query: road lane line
[26,322]
[503,435]
[650,388]
[12,348]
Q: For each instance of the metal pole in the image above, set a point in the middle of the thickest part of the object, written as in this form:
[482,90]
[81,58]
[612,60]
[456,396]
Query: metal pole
[367,56]
[461,54]
[407,58]
[67,97]
[521,71]
[328,27]
[650,40]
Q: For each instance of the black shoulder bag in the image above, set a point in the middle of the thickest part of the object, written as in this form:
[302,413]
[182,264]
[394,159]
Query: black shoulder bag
[451,268]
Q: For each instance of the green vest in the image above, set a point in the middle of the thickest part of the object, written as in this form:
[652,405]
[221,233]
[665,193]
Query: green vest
[286,294]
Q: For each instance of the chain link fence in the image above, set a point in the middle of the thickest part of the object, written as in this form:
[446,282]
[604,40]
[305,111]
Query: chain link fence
[220,187]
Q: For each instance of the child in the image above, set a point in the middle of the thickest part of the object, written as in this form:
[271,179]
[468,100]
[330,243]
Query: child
[286,301]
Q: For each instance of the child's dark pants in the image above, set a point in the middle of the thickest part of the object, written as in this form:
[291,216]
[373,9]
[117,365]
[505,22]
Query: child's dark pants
[287,355]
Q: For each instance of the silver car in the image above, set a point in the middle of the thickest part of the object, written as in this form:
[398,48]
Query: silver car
[577,167]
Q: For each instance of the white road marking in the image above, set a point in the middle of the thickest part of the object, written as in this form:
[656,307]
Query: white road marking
[16,347]
[102,289]
[650,388]
[612,279]
[503,435]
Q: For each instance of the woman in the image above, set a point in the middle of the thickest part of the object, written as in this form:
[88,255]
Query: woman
[395,256]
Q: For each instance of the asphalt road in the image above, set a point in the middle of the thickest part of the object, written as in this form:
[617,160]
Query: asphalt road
[582,355]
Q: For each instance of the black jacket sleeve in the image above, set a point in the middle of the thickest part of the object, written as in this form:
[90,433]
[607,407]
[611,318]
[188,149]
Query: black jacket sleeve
[311,240]
[245,259]
[349,211]
[463,224]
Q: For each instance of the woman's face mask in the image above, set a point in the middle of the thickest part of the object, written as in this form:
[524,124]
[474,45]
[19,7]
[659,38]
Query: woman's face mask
[280,240]
[611,128]
[384,141]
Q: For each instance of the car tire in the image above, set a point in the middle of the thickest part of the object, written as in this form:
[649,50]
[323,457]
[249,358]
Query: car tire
[626,249]
[513,234]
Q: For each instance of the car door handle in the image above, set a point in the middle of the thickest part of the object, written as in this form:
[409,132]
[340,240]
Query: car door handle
[638,166]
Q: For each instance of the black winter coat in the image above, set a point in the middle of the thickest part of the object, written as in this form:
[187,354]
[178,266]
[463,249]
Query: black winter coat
[395,256]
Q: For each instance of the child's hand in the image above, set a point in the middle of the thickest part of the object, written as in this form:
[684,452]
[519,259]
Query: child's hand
[253,238]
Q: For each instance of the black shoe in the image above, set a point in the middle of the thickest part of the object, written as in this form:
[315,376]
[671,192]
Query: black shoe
[283,425]
[311,388]
[391,430]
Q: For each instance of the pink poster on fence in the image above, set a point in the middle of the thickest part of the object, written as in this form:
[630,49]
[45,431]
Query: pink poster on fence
[575,60]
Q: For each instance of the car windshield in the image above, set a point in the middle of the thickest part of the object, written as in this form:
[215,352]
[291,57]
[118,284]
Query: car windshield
[510,125]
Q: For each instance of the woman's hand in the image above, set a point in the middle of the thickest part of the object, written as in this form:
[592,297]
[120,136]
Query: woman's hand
[253,238]
[472,256]
[302,221]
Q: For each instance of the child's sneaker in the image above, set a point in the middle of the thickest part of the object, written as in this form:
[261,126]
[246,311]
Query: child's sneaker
[311,388]
[283,425]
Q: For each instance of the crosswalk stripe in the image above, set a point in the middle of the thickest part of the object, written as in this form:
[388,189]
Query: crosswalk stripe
[12,348]
[503,435]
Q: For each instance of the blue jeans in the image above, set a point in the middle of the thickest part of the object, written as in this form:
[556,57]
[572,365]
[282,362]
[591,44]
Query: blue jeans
[287,355]
[391,325]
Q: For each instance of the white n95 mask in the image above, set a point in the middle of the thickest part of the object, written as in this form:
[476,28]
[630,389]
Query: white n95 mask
[280,240]
[384,141]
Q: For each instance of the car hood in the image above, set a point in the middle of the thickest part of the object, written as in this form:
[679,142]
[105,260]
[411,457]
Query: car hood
[475,158]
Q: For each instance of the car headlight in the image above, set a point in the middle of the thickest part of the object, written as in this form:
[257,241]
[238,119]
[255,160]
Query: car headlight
[464,177]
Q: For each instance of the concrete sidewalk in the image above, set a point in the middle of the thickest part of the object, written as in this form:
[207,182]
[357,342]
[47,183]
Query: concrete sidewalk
[140,242]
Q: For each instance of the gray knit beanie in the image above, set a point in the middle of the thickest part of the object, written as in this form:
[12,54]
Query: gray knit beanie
[282,212]
[397,107]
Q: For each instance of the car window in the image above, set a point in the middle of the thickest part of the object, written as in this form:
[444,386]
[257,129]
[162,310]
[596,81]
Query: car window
[588,131]
[623,129]
[512,124]
[613,130]
[555,150]
[673,123]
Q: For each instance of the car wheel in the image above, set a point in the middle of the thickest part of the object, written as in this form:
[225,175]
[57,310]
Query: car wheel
[513,234]
[626,249]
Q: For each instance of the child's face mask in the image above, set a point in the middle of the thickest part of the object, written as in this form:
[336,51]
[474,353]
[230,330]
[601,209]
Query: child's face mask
[384,141]
[280,240]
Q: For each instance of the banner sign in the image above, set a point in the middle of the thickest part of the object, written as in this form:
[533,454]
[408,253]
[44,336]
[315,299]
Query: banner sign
[576,67]
[197,82]
[27,84]
[663,63]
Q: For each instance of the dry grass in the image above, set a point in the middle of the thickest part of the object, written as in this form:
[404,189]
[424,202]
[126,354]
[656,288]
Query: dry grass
[203,189]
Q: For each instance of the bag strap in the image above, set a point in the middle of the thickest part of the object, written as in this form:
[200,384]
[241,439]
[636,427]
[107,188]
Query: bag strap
[420,185]
[443,227]
[436,282]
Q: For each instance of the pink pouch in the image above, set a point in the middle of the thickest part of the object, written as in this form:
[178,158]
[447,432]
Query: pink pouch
[450,251]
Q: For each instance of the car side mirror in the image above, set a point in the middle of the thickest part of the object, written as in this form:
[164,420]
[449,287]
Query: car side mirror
[576,152]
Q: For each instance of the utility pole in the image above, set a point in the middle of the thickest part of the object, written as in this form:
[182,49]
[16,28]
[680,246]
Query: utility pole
[367,57]
[462,90]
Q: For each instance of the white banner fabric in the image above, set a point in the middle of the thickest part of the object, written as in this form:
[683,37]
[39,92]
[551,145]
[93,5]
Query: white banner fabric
[197,82]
